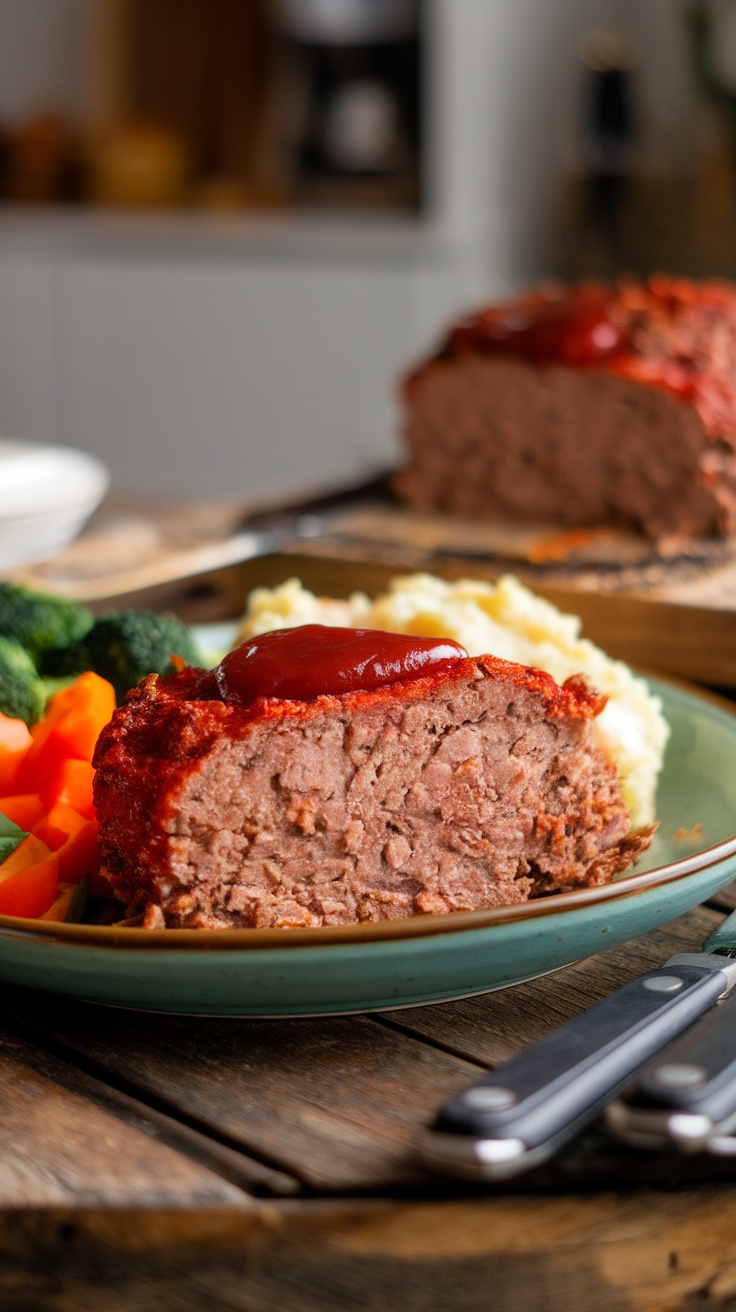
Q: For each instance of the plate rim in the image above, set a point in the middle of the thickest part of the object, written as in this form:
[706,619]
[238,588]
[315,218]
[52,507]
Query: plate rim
[61,934]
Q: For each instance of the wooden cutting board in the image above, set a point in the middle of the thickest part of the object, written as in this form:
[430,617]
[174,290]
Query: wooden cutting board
[669,606]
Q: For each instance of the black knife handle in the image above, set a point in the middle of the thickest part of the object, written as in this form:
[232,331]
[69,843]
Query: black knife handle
[696,1073]
[562,1081]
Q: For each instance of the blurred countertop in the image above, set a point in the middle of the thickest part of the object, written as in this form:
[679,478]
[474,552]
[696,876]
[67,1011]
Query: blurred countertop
[262,234]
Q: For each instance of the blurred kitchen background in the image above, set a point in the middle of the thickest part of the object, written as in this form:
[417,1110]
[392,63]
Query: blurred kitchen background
[226,225]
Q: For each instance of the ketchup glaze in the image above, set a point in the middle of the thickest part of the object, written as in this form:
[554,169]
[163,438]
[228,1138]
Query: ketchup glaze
[303,663]
[575,328]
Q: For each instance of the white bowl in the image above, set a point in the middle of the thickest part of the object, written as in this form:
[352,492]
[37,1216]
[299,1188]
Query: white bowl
[46,495]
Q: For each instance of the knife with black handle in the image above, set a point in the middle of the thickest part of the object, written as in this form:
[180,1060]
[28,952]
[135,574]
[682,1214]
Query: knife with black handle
[521,1113]
[686,1096]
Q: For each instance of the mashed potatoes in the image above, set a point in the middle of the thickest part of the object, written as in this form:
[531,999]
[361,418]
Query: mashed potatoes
[501,619]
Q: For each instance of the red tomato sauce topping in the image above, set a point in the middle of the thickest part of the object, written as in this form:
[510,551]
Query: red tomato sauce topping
[304,663]
[576,328]
[666,332]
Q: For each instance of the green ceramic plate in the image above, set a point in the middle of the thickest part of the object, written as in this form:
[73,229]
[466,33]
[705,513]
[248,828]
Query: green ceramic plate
[428,958]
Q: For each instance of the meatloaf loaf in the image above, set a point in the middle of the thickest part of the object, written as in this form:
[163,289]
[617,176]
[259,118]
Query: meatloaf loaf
[588,406]
[476,785]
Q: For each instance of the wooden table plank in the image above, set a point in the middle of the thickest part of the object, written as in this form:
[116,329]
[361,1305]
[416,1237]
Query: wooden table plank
[335,1102]
[494,1027]
[60,1148]
[239,1168]
[726,899]
[638,1251]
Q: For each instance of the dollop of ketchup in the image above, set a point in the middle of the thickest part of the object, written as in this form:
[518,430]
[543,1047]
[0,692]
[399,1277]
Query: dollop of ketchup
[303,663]
[576,328]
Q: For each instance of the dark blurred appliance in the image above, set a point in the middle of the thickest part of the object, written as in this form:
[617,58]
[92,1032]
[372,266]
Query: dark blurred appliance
[353,79]
[706,45]
[609,58]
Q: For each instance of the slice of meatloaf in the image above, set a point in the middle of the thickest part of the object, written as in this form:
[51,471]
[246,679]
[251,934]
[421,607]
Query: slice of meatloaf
[496,438]
[591,406]
[475,786]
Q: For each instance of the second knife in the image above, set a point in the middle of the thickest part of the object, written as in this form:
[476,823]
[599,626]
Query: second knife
[519,1114]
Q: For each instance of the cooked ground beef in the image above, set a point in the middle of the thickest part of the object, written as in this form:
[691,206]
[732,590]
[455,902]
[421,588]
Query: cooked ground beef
[522,414]
[472,787]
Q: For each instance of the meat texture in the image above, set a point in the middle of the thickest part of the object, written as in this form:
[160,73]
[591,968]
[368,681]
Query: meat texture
[473,788]
[644,436]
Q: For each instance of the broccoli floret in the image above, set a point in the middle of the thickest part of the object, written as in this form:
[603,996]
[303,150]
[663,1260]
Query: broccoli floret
[22,692]
[39,622]
[126,645]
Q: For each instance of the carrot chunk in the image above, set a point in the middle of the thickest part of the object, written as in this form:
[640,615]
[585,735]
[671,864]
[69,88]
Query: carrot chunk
[15,742]
[69,729]
[28,879]
[24,809]
[72,838]
[72,783]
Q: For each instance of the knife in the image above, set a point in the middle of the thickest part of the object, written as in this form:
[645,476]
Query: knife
[686,1096]
[520,1114]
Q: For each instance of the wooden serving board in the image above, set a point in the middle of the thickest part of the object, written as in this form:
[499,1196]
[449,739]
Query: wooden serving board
[669,606]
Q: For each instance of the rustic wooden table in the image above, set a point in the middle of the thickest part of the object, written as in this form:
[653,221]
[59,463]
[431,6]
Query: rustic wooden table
[165,1162]
[152,1162]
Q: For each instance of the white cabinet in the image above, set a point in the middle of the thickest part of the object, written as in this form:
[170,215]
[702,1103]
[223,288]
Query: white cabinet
[234,357]
[254,358]
[229,377]
[28,393]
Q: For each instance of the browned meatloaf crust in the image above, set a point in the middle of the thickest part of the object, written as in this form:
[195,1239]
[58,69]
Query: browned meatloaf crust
[645,437]
[465,789]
